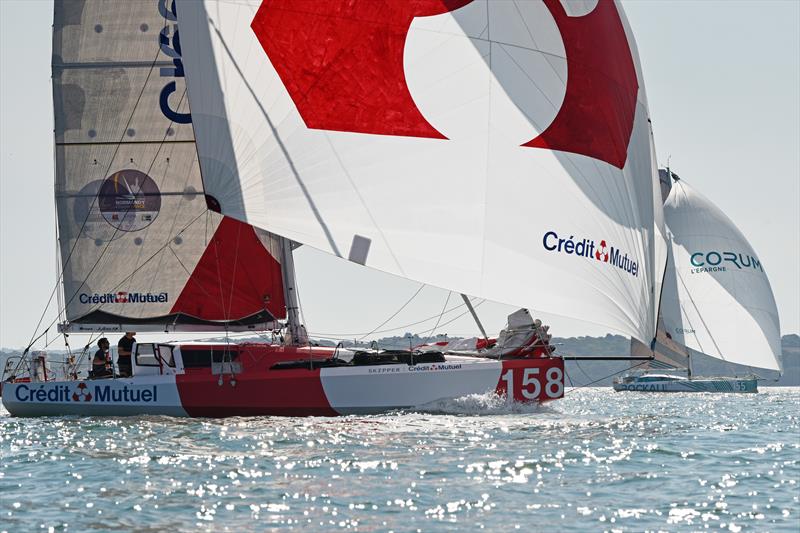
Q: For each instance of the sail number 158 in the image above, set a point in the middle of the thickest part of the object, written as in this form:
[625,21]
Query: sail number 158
[531,386]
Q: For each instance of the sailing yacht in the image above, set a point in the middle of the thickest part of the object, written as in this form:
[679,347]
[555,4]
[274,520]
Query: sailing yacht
[498,150]
[716,300]
[670,370]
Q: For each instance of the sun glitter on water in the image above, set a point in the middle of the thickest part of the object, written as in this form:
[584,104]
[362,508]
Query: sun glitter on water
[596,460]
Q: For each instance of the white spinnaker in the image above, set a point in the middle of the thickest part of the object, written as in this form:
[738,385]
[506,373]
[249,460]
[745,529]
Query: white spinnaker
[469,213]
[717,298]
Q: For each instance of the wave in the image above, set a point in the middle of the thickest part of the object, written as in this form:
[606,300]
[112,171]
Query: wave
[487,403]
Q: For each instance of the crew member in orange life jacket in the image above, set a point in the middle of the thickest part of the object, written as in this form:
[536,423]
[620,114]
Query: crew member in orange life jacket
[124,347]
[101,361]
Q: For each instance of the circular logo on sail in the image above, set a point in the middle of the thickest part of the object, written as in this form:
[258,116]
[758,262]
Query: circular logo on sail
[129,200]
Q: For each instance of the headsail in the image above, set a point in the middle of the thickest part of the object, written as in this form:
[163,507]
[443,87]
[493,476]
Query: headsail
[497,149]
[138,245]
[717,298]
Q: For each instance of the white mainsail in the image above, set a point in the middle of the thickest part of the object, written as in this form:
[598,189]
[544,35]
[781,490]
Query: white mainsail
[497,149]
[717,298]
[665,353]
[138,244]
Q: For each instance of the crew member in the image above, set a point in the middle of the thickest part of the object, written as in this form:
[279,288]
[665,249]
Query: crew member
[101,361]
[124,348]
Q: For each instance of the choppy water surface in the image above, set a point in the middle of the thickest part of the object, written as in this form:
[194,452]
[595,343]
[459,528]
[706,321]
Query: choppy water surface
[597,460]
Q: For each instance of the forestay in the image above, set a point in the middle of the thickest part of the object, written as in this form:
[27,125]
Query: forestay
[497,149]
[138,245]
[717,298]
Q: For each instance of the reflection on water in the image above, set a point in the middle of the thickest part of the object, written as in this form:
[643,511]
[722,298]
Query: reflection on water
[595,460]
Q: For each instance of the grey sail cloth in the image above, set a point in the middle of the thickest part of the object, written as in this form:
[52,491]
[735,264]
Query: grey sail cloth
[667,353]
[132,216]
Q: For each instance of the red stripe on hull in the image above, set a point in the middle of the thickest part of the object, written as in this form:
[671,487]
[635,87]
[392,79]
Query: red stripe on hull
[258,390]
[283,392]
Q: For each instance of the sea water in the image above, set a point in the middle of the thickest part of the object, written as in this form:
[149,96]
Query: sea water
[596,460]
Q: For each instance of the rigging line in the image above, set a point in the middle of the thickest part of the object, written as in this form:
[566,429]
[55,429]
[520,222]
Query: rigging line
[233,276]
[252,281]
[60,277]
[182,195]
[663,284]
[62,310]
[200,285]
[59,295]
[41,317]
[566,374]
[700,316]
[299,303]
[41,334]
[164,178]
[274,129]
[421,286]
[111,161]
[252,333]
[124,279]
[578,366]
[465,313]
[418,322]
[117,228]
[363,203]
[604,377]
[447,300]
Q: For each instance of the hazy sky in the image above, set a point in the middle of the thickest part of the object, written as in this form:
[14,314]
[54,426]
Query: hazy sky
[723,83]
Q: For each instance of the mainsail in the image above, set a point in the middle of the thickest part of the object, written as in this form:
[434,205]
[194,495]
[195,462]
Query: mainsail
[139,246]
[717,298]
[497,149]
[666,353]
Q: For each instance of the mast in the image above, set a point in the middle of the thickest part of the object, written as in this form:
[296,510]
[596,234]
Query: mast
[671,177]
[292,308]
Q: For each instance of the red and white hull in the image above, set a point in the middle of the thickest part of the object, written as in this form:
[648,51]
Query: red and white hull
[252,386]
